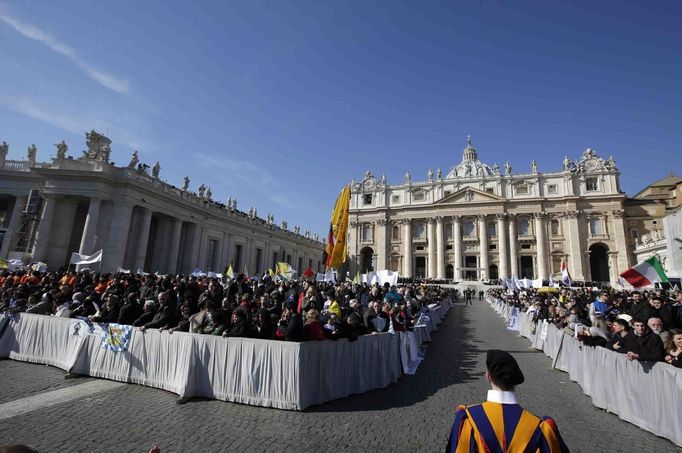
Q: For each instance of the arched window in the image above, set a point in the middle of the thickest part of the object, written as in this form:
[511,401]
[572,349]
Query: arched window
[469,228]
[492,229]
[420,231]
[395,233]
[523,226]
[555,227]
[596,226]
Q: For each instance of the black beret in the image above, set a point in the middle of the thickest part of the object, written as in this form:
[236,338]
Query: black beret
[503,368]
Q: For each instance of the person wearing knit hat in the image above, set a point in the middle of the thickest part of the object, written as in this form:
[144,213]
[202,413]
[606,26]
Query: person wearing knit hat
[501,424]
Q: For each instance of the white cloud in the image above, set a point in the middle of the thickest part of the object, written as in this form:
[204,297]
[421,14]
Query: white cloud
[103,78]
[34,109]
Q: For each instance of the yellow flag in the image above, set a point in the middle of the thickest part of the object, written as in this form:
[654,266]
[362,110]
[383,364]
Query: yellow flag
[357,278]
[4,264]
[229,272]
[340,228]
[270,273]
[282,268]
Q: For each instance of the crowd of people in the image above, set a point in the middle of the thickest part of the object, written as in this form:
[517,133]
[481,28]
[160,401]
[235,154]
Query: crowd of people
[265,307]
[643,325]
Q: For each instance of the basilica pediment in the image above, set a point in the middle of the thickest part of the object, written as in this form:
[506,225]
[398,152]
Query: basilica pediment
[469,195]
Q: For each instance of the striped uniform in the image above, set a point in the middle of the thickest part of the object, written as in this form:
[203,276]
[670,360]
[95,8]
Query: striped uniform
[496,428]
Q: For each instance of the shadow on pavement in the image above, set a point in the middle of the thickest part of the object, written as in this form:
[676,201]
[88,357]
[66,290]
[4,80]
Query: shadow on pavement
[451,358]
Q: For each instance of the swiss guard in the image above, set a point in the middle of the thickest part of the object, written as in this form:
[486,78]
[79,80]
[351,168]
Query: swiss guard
[500,424]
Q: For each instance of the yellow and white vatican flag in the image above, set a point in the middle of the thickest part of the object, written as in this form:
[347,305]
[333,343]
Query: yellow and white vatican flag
[335,254]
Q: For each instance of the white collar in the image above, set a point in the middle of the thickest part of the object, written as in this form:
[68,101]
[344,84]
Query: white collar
[498,396]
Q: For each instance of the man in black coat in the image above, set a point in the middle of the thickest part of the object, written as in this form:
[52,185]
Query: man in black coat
[648,345]
[375,318]
[623,340]
[167,315]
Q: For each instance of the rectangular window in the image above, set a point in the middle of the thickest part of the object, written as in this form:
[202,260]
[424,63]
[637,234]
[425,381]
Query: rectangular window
[492,229]
[634,234]
[492,247]
[420,248]
[212,255]
[289,260]
[418,196]
[490,190]
[367,198]
[300,265]
[259,261]
[449,231]
[592,184]
[552,188]
[367,231]
[237,258]
[525,246]
[522,190]
[449,247]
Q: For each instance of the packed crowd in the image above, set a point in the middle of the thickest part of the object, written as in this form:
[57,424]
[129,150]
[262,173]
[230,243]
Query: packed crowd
[644,325]
[241,307]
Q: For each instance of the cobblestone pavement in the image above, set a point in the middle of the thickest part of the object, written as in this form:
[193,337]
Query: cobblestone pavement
[413,415]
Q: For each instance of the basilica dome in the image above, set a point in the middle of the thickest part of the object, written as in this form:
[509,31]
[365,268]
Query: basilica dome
[470,167]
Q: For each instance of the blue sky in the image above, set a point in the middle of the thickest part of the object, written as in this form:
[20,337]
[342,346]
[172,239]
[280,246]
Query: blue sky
[281,103]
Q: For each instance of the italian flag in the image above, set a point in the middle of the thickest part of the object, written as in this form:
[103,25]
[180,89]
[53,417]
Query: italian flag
[645,273]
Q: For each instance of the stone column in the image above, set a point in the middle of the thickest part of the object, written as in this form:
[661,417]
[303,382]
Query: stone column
[432,269]
[513,241]
[197,233]
[575,259]
[11,230]
[502,245]
[483,242]
[541,244]
[174,246]
[407,248]
[117,239]
[382,242]
[457,234]
[440,249]
[44,227]
[143,241]
[89,230]
[621,260]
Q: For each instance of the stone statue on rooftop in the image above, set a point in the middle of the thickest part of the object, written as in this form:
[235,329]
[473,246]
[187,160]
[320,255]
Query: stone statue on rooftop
[31,153]
[408,177]
[201,190]
[533,166]
[156,169]
[61,150]
[209,194]
[99,146]
[134,160]
[567,163]
[4,149]
[507,168]
[185,183]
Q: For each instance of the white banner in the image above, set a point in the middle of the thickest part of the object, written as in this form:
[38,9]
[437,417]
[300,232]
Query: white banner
[77,258]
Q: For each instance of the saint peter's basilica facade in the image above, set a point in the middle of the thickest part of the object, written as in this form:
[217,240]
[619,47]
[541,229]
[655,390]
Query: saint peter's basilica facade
[486,222]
